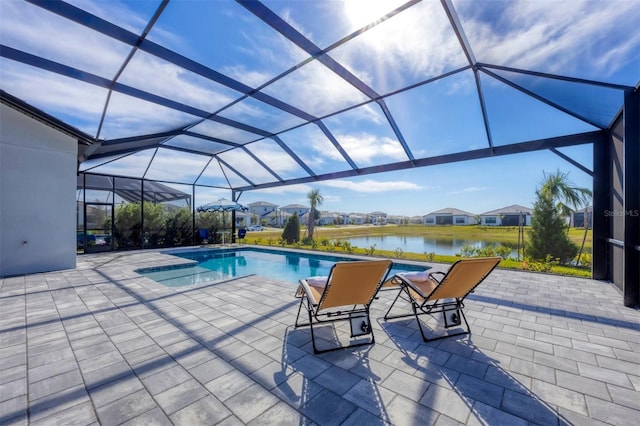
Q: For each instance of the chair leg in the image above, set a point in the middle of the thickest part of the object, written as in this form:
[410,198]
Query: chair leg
[313,336]
[320,351]
[444,312]
[398,296]
[297,324]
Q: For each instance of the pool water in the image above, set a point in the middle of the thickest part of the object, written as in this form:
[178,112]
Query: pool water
[217,265]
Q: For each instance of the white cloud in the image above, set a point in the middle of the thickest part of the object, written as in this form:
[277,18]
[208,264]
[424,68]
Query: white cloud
[175,83]
[365,148]
[562,37]
[176,166]
[283,190]
[34,30]
[113,10]
[470,189]
[373,186]
[128,116]
[316,89]
[415,44]
[279,161]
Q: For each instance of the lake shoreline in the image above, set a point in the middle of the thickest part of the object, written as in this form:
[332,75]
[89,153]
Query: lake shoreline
[331,239]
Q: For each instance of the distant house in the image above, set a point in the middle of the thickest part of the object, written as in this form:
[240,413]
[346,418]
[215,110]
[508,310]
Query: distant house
[285,212]
[377,217]
[396,219]
[330,218]
[416,220]
[295,208]
[450,216]
[260,211]
[356,219]
[276,218]
[579,219]
[507,216]
[243,219]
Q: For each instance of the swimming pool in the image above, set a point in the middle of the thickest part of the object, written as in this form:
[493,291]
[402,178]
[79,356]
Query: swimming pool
[223,264]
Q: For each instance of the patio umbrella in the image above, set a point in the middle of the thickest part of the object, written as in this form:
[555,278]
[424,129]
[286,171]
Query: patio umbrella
[223,205]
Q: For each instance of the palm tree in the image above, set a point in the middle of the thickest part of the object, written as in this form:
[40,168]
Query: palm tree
[315,199]
[561,190]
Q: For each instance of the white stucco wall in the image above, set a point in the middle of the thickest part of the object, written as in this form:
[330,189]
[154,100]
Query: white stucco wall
[37,196]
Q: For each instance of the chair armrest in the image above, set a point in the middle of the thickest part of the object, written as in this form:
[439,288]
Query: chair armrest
[306,289]
[407,285]
[433,277]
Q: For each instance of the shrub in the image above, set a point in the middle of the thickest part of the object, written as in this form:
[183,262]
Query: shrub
[585,260]
[544,265]
[467,250]
[291,232]
[547,236]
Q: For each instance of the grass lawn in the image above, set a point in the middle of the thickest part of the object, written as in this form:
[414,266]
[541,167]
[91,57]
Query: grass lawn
[327,238]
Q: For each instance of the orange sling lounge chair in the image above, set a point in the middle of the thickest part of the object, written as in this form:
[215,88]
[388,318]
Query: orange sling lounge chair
[345,295]
[441,292]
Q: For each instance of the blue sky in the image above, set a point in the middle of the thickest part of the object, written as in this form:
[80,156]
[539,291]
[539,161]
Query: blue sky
[594,40]
[475,186]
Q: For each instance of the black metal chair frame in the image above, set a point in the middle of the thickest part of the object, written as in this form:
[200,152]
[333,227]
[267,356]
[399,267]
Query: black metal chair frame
[452,309]
[358,315]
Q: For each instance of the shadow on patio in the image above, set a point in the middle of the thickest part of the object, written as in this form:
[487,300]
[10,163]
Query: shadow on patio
[101,343]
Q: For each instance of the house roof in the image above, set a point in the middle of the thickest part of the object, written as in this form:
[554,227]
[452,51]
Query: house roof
[330,214]
[451,211]
[513,209]
[294,206]
[262,204]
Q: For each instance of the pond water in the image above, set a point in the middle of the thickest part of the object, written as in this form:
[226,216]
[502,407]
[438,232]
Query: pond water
[417,244]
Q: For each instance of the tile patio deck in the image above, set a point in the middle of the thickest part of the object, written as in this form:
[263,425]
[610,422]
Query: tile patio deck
[103,345]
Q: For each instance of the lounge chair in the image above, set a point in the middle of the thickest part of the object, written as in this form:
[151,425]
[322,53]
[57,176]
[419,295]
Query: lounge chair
[345,295]
[440,292]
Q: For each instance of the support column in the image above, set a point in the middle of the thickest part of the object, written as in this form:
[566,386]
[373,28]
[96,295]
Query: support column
[601,204]
[234,197]
[632,199]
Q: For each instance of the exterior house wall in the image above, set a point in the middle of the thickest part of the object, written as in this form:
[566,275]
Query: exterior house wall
[395,219]
[262,211]
[429,220]
[507,216]
[443,219]
[494,220]
[329,219]
[299,210]
[356,219]
[461,220]
[377,217]
[243,219]
[417,220]
[37,196]
[491,221]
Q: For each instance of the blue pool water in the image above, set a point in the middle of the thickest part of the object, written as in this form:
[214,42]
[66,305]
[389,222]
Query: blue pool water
[217,265]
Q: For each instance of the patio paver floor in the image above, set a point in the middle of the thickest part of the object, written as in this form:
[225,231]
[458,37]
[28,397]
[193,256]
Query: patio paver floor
[102,345]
